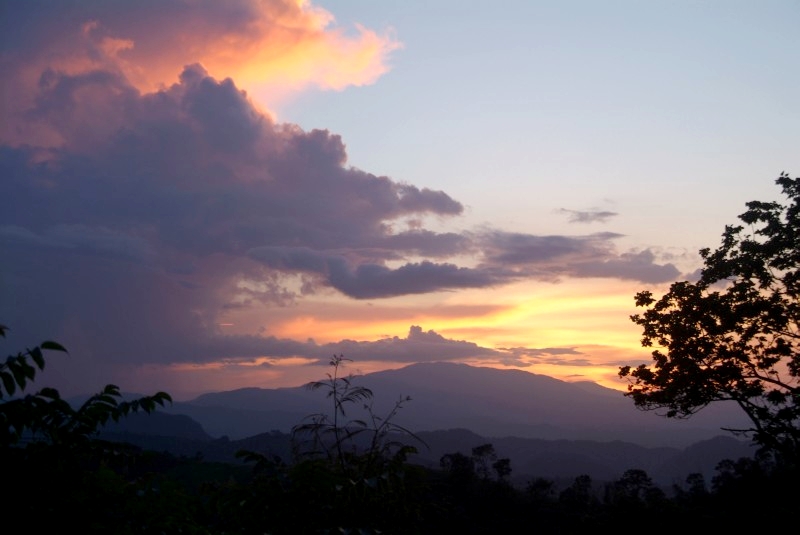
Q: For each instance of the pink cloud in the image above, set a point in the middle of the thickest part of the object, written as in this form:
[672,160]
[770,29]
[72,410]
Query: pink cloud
[267,46]
[131,215]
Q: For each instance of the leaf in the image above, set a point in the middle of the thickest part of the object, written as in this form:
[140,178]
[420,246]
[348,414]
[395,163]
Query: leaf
[50,393]
[28,370]
[8,383]
[37,357]
[18,372]
[53,346]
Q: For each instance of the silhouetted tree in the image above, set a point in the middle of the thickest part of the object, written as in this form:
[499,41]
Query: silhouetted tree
[635,487]
[579,494]
[541,489]
[483,457]
[735,333]
[54,468]
[502,467]
[695,487]
[458,467]
[45,416]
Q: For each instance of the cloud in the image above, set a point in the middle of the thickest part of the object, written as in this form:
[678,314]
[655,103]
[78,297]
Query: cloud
[369,280]
[639,266]
[161,204]
[588,216]
[80,239]
[271,47]
[515,249]
[550,257]
[418,345]
[131,219]
[429,244]
[140,228]
[555,356]
[196,168]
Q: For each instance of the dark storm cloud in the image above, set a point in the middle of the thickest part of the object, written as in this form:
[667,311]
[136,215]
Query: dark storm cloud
[126,231]
[126,235]
[588,216]
[427,243]
[514,249]
[373,280]
[195,168]
[418,346]
[635,266]
[551,257]
[80,239]
[369,280]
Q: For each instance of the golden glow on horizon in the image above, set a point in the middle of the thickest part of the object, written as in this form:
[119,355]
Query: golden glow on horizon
[286,47]
[590,317]
[549,315]
[279,362]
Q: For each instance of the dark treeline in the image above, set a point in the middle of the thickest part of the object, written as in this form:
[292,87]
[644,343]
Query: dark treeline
[343,476]
[739,343]
[102,487]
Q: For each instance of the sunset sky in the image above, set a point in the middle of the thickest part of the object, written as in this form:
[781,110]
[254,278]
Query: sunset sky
[203,195]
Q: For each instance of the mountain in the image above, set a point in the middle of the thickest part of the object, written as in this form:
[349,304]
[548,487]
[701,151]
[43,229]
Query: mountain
[158,424]
[488,401]
[563,460]
[559,460]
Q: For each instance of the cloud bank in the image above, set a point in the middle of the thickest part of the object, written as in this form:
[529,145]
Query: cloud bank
[268,46]
[131,217]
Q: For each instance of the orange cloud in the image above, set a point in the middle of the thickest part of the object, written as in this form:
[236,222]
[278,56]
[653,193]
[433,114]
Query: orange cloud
[269,47]
[274,44]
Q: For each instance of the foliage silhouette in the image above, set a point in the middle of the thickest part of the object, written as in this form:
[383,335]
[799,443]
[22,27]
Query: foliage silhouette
[580,494]
[735,333]
[90,486]
[483,457]
[45,415]
[57,468]
[338,439]
[477,467]
[348,475]
[634,488]
[19,369]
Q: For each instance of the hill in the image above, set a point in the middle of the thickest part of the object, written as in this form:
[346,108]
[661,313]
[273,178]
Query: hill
[488,401]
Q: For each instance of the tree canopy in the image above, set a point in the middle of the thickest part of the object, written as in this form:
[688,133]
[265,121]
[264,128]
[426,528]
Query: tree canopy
[735,333]
[45,415]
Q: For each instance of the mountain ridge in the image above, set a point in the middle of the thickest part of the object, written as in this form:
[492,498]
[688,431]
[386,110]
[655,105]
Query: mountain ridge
[558,460]
[491,402]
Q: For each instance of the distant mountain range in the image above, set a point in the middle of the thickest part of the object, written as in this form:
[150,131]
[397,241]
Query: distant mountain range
[548,428]
[487,401]
[559,460]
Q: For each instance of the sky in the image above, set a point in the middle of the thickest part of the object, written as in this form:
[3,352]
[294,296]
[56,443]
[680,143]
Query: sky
[200,196]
